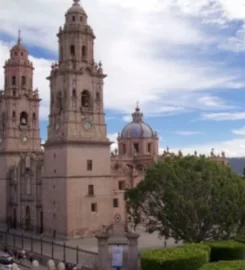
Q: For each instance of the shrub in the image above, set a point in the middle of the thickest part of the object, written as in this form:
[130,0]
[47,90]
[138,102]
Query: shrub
[226,250]
[232,265]
[188,257]
[240,239]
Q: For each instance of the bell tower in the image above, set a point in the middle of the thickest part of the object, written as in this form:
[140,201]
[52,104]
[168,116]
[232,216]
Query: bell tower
[19,116]
[78,185]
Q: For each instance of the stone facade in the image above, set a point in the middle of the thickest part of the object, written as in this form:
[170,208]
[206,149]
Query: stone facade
[20,152]
[75,185]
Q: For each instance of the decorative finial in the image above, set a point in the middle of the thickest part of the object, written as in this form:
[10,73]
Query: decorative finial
[137,106]
[19,36]
[76,1]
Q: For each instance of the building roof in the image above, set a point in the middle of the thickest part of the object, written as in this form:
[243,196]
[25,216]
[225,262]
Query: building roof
[19,46]
[76,8]
[137,128]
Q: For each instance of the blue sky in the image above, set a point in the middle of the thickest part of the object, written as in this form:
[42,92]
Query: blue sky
[183,60]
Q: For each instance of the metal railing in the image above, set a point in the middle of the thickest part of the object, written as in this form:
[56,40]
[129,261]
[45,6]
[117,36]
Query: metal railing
[40,247]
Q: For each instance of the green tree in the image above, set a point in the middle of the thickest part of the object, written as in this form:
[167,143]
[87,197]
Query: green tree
[189,198]
[243,172]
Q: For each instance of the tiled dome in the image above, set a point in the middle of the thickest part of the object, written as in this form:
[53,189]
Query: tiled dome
[137,128]
[76,8]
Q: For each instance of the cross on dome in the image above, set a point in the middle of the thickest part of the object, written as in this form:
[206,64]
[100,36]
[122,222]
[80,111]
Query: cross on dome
[19,36]
[137,109]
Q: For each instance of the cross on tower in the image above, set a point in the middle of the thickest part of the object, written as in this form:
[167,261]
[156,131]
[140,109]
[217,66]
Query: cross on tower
[19,36]
[137,104]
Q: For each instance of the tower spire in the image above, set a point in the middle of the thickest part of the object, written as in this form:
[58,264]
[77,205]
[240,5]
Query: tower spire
[137,104]
[19,37]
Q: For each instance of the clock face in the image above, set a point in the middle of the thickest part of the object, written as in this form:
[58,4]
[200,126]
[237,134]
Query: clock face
[87,125]
[24,139]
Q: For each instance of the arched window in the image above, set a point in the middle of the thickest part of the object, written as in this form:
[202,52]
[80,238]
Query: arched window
[136,148]
[23,119]
[74,93]
[13,80]
[72,50]
[84,52]
[59,105]
[81,18]
[123,148]
[74,97]
[85,98]
[14,93]
[33,116]
[23,80]
[73,18]
[97,96]
[14,114]
[28,218]
[3,117]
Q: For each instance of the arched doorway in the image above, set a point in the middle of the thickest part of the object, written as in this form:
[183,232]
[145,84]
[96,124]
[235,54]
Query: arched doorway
[14,219]
[28,218]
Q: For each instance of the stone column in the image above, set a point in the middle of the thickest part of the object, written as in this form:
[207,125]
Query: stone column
[103,252]
[133,251]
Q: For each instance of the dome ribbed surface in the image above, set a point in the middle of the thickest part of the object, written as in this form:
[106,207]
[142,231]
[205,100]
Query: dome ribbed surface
[76,8]
[137,130]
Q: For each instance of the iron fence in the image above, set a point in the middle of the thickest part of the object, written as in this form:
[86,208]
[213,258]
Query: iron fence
[40,247]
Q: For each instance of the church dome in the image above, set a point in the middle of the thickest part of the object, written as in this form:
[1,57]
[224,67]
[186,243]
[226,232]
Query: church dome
[137,128]
[76,9]
[19,46]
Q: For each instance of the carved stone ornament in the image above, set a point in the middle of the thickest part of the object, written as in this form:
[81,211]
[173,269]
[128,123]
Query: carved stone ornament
[24,139]
[87,124]
[117,218]
[57,126]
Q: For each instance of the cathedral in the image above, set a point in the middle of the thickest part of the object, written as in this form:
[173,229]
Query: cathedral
[72,185]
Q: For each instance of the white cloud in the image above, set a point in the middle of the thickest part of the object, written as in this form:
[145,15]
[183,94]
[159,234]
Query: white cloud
[113,138]
[235,43]
[128,50]
[224,116]
[127,118]
[240,131]
[212,102]
[187,132]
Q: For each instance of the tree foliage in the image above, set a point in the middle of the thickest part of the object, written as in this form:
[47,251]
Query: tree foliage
[189,198]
